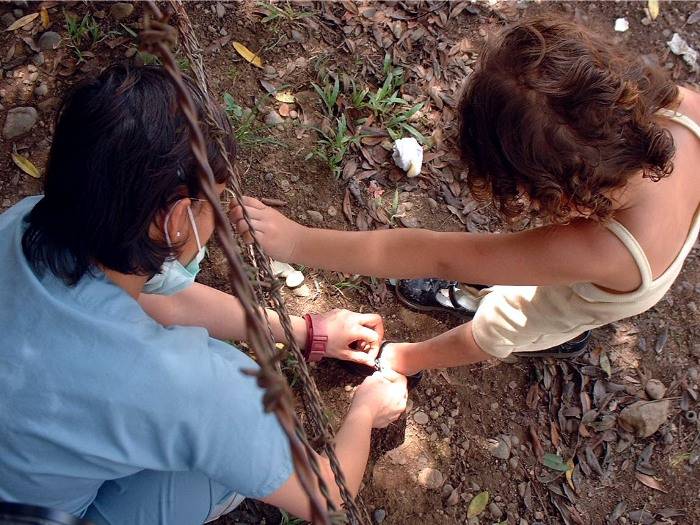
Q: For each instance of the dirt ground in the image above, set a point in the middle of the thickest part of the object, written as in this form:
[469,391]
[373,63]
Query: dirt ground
[488,425]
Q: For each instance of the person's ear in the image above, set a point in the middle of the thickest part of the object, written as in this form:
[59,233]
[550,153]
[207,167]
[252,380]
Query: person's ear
[178,224]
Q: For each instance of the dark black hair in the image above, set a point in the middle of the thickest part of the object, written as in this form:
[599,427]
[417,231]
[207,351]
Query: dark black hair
[120,156]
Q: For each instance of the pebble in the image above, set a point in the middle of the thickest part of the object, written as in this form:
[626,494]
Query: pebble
[514,441]
[645,417]
[379,515]
[495,511]
[523,521]
[121,10]
[693,374]
[19,121]
[348,388]
[421,418]
[499,447]
[655,389]
[269,71]
[38,59]
[513,385]
[315,216]
[273,118]
[447,490]
[465,444]
[293,114]
[41,90]
[494,406]
[433,414]
[49,40]
[513,463]
[298,36]
[539,515]
[302,291]
[332,212]
[432,203]
[18,13]
[452,499]
[220,10]
[430,478]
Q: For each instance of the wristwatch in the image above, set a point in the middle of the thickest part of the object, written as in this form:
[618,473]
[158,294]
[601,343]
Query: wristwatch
[316,338]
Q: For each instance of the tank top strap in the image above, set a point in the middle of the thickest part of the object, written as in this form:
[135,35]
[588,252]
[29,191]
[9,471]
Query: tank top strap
[681,119]
[635,250]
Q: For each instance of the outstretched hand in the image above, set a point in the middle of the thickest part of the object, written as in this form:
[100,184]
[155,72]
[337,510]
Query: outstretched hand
[277,234]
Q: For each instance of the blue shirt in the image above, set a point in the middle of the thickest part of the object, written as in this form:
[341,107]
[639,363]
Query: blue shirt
[92,389]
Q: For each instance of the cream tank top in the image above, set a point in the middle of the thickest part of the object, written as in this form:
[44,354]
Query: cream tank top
[651,290]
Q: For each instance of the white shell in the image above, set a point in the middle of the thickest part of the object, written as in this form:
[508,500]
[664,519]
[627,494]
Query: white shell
[294,279]
[281,269]
[302,291]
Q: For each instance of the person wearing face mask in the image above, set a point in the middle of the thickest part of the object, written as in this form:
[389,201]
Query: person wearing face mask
[119,400]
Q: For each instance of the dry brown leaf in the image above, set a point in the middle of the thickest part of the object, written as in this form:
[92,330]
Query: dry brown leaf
[247,54]
[284,96]
[653,8]
[22,22]
[650,482]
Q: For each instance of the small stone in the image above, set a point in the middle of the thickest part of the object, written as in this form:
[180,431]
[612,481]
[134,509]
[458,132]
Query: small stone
[294,279]
[430,478]
[293,113]
[445,429]
[315,216]
[348,388]
[655,389]
[18,13]
[332,212]
[121,10]
[523,521]
[646,21]
[410,222]
[513,462]
[454,412]
[379,516]
[272,118]
[465,444]
[452,499]
[49,40]
[223,31]
[693,374]
[513,385]
[298,36]
[499,447]
[494,405]
[421,418]
[269,71]
[447,490]
[38,59]
[7,19]
[31,67]
[302,291]
[220,10]
[432,203]
[621,25]
[645,417]
[41,90]
[19,121]
[495,511]
[539,515]
[433,414]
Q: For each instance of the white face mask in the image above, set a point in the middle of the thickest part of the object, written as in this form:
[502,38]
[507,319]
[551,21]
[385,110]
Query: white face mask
[173,276]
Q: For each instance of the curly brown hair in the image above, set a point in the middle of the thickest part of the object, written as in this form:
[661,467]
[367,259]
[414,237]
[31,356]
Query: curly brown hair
[554,116]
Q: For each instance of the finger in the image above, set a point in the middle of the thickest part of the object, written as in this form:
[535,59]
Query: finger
[373,321]
[358,357]
[252,202]
[366,335]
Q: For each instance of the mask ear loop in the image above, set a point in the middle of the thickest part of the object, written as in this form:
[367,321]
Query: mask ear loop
[194,228]
[192,222]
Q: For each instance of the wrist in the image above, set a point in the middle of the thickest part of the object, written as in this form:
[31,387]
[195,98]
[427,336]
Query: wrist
[300,332]
[297,238]
[403,358]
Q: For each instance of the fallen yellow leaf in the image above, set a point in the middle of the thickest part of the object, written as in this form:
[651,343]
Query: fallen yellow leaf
[26,165]
[284,96]
[44,18]
[247,54]
[478,504]
[570,474]
[22,22]
[653,8]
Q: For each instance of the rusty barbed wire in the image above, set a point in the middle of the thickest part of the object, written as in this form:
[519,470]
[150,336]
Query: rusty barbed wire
[159,36]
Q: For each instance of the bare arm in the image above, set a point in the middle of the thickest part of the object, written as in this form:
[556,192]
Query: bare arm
[223,316]
[582,251]
[220,313]
[377,402]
